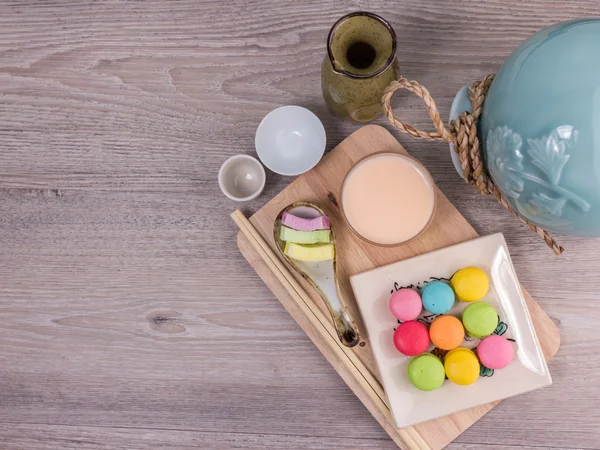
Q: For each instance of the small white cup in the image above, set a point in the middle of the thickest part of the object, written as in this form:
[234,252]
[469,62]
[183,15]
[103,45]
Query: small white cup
[242,178]
[290,140]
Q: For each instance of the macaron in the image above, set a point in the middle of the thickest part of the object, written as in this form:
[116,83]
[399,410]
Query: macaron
[438,297]
[426,372]
[411,338]
[446,332]
[495,352]
[470,284]
[461,366]
[406,304]
[480,319]
[316,253]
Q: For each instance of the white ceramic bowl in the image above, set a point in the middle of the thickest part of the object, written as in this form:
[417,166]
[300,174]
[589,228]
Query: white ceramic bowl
[290,140]
[242,178]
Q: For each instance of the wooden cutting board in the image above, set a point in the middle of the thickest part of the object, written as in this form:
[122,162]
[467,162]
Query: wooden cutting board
[322,186]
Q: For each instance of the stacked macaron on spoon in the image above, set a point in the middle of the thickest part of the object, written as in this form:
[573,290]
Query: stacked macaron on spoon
[306,240]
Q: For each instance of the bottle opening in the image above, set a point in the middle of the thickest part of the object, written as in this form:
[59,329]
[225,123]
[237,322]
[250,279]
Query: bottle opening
[361,55]
[361,45]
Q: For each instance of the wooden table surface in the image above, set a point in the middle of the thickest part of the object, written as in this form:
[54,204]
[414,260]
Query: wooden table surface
[128,319]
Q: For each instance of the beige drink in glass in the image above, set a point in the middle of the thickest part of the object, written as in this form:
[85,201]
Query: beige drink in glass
[388,198]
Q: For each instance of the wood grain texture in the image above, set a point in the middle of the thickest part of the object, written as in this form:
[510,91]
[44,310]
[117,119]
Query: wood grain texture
[128,317]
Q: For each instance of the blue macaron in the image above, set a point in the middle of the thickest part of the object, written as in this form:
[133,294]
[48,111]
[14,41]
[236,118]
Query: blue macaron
[438,297]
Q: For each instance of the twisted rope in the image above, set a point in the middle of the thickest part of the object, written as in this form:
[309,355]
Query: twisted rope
[463,133]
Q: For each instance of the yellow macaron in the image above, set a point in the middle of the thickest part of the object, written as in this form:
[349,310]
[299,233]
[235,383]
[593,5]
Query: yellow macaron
[461,366]
[470,284]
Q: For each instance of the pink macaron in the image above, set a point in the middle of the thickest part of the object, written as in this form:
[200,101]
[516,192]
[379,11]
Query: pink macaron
[411,338]
[406,304]
[495,352]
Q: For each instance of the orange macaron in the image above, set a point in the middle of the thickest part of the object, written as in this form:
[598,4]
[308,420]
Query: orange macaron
[446,332]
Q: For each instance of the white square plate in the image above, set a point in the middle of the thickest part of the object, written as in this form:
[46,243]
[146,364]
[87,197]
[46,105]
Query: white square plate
[527,371]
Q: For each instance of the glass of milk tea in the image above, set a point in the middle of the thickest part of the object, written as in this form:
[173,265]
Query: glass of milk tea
[388,198]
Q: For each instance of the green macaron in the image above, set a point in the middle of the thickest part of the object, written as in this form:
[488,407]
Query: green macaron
[426,372]
[480,319]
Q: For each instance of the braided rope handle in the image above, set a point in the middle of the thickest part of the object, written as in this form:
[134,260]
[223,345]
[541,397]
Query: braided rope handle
[463,133]
[442,133]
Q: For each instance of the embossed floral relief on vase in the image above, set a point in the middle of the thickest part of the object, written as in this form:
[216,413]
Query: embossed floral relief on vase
[534,188]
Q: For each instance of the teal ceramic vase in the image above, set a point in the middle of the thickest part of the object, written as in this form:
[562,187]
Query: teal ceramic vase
[540,128]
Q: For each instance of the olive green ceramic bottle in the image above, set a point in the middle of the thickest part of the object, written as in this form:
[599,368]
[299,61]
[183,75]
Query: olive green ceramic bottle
[359,65]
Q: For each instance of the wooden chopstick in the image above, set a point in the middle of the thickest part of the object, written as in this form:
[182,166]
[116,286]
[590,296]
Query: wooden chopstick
[300,295]
[351,362]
